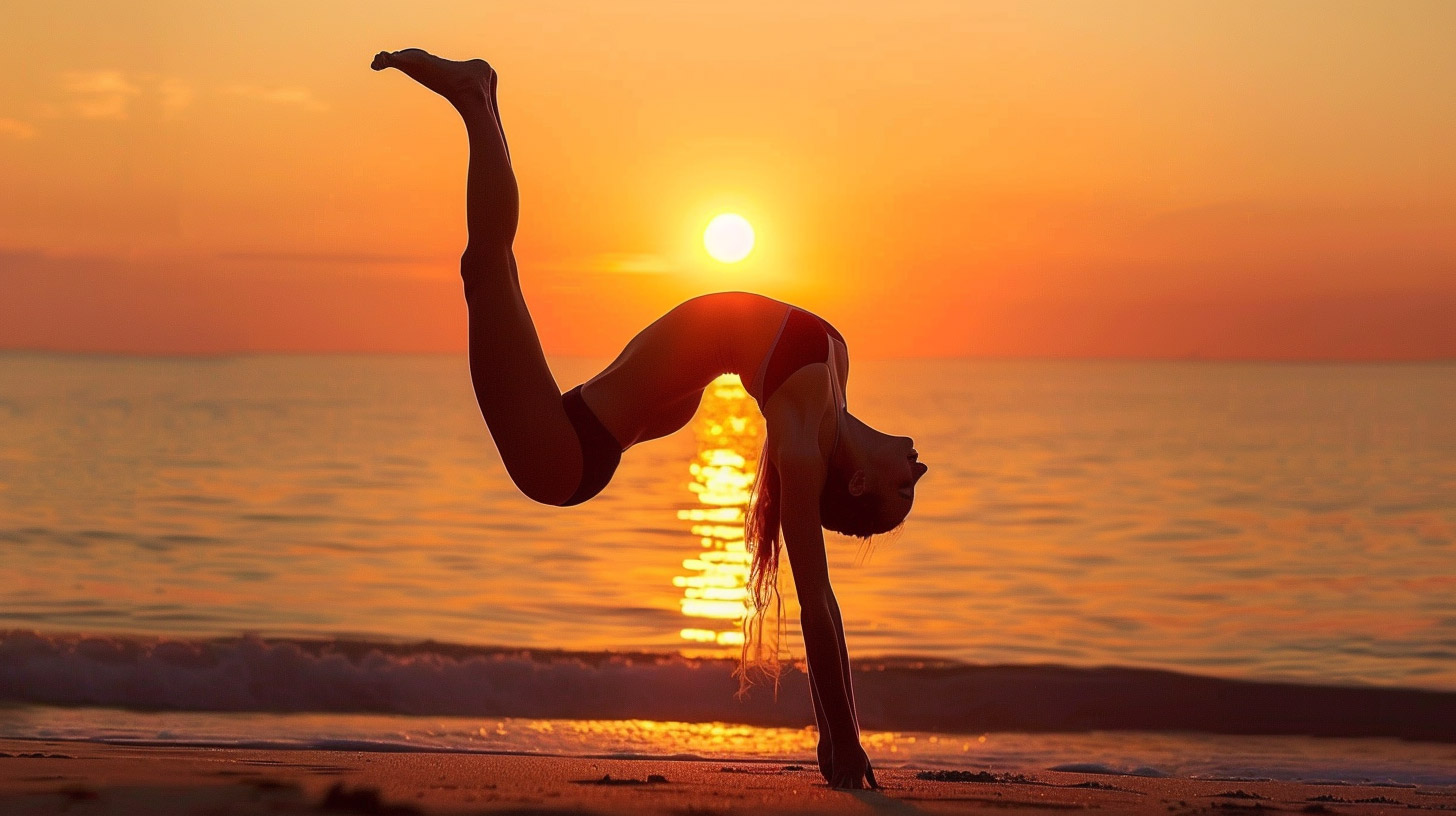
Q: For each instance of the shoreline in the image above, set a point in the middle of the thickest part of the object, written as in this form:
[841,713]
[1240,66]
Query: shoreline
[45,777]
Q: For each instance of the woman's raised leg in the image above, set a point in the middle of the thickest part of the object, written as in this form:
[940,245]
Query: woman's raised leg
[518,396]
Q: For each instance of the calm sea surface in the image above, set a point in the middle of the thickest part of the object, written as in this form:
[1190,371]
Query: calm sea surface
[1250,521]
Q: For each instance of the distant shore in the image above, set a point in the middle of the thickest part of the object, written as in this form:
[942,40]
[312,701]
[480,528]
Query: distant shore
[89,778]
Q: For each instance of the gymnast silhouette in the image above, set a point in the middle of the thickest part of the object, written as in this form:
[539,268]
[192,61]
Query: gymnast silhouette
[821,467]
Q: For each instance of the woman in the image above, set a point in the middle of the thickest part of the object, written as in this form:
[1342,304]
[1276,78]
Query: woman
[821,465]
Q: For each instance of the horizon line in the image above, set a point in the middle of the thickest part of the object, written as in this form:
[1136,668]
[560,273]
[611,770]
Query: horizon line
[1187,358]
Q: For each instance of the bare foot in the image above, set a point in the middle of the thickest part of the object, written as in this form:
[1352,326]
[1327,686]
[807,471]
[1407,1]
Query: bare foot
[456,81]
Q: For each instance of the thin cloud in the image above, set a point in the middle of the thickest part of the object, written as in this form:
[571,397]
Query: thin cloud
[100,94]
[16,129]
[174,95]
[289,95]
[365,258]
[617,263]
[637,265]
[109,94]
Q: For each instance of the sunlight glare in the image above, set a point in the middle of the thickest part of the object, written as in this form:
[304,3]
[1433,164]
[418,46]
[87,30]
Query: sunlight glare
[729,432]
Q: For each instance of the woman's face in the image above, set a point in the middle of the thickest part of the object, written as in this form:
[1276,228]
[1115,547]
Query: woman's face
[896,468]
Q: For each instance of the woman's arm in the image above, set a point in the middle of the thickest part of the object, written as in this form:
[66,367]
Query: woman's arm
[825,757]
[824,754]
[801,473]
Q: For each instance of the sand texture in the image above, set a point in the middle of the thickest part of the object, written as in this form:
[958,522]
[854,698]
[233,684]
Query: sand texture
[88,778]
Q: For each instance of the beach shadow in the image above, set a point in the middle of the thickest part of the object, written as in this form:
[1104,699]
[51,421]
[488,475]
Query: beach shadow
[880,803]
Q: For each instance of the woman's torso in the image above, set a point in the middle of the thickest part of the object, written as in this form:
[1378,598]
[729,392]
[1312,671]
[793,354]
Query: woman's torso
[654,385]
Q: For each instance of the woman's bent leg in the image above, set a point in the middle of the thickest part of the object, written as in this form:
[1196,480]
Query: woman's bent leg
[518,397]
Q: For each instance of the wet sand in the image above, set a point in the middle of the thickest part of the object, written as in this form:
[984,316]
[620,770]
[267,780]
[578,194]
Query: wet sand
[88,778]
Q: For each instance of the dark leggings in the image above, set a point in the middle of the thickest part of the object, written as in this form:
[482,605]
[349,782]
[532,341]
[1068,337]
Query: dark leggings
[600,452]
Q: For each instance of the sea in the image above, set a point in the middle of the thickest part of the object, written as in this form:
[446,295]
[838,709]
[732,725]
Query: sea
[1215,569]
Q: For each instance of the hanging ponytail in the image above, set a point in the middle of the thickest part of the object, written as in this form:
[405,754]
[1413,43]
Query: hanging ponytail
[761,534]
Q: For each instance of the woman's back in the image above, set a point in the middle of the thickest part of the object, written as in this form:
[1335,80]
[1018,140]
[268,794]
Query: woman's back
[654,385]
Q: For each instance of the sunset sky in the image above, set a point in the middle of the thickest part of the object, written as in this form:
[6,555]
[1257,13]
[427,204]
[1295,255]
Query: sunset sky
[1233,180]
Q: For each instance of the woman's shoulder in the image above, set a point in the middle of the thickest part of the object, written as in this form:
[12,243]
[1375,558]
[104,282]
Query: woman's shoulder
[800,411]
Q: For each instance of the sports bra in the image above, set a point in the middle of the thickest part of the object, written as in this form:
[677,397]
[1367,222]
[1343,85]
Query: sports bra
[804,338]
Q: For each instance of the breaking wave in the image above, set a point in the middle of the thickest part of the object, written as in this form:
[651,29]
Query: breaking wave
[287,675]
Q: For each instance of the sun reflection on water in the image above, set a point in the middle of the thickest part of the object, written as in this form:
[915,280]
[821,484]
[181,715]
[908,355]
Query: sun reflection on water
[729,432]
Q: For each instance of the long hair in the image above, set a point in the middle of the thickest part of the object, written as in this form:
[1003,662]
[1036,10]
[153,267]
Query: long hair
[839,511]
[761,533]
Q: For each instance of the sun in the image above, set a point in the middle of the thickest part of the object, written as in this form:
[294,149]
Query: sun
[728,238]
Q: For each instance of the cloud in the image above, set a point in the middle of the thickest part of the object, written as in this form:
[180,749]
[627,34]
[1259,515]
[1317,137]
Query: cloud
[293,95]
[174,95]
[100,94]
[617,263]
[109,94]
[361,258]
[16,129]
[636,265]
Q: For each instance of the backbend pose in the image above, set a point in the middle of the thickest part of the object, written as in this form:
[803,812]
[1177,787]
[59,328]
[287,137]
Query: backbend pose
[821,466]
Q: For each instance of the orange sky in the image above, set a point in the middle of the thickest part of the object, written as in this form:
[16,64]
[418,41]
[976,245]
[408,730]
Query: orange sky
[1242,180]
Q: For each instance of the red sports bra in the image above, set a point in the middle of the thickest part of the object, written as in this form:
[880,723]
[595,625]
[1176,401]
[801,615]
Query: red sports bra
[804,338]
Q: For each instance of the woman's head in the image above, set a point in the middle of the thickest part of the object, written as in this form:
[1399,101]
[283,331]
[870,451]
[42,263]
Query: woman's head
[870,486]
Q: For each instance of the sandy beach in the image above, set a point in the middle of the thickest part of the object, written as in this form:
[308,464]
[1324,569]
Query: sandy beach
[89,778]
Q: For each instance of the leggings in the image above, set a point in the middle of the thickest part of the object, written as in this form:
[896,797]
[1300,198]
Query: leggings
[600,451]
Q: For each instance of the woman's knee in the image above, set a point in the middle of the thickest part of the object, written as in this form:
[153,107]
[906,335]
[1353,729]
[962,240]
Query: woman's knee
[554,484]
[490,272]
[486,255]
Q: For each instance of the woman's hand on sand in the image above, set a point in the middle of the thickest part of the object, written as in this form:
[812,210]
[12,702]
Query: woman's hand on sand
[850,768]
